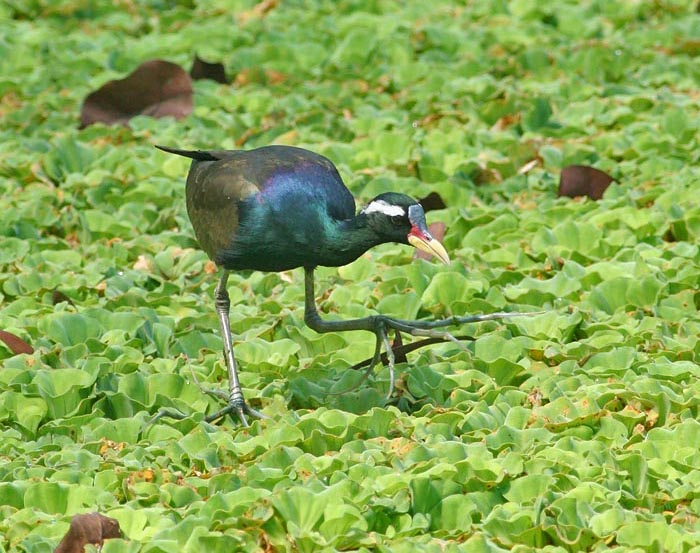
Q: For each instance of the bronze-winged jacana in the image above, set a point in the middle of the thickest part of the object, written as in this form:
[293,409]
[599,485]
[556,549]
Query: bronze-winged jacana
[281,207]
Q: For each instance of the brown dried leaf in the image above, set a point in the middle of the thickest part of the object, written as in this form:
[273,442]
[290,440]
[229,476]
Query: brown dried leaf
[687,46]
[427,120]
[432,202]
[535,397]
[259,75]
[208,70]
[109,446]
[396,345]
[486,175]
[59,297]
[15,343]
[72,240]
[506,121]
[156,87]
[529,166]
[91,528]
[583,180]
[144,263]
[290,138]
[259,10]
[437,230]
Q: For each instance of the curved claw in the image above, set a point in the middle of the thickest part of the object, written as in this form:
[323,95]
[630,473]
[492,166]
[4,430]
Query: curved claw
[241,409]
[165,412]
[241,415]
[392,359]
[257,414]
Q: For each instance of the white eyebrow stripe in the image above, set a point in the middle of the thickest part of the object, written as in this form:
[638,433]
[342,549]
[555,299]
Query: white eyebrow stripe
[380,206]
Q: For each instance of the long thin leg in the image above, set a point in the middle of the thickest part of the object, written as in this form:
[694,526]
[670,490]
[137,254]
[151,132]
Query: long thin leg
[236,401]
[314,320]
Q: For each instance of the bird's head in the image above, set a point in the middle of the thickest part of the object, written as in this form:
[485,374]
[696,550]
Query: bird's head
[399,218]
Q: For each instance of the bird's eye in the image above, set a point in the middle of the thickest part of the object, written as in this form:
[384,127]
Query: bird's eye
[397,220]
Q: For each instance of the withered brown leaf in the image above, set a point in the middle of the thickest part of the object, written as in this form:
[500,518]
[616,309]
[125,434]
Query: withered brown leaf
[432,201]
[583,180]
[15,343]
[91,528]
[157,88]
[202,69]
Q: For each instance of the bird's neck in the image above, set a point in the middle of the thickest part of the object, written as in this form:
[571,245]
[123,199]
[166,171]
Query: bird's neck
[349,239]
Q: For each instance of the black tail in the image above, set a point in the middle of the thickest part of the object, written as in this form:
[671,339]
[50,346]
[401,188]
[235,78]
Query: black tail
[199,155]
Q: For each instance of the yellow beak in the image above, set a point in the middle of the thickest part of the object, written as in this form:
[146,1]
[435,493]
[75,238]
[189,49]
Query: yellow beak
[430,246]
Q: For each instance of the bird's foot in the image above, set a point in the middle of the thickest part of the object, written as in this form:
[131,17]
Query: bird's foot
[239,408]
[236,404]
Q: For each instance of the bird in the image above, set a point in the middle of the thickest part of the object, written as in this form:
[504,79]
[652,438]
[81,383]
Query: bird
[279,207]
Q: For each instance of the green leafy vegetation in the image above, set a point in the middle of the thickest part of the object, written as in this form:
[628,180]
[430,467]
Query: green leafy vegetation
[574,430]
